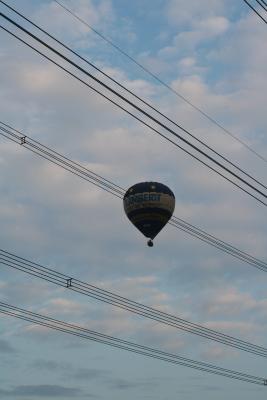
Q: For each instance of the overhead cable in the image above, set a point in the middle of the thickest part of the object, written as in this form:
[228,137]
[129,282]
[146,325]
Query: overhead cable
[146,114]
[154,76]
[63,162]
[50,275]
[122,97]
[218,243]
[132,94]
[89,334]
[88,175]
[262,4]
[255,11]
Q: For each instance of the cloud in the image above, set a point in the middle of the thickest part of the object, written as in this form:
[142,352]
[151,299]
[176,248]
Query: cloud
[177,13]
[69,370]
[89,373]
[217,352]
[53,391]
[5,347]
[63,306]
[213,55]
[98,15]
[49,365]
[202,32]
[141,384]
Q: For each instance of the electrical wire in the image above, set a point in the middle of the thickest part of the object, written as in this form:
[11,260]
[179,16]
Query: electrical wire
[264,6]
[264,381]
[77,169]
[139,109]
[255,11]
[114,92]
[130,92]
[154,76]
[89,334]
[218,243]
[137,118]
[50,275]
[64,162]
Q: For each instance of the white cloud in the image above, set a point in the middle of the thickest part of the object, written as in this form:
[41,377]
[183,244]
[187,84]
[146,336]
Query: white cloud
[187,62]
[63,24]
[56,219]
[212,26]
[179,12]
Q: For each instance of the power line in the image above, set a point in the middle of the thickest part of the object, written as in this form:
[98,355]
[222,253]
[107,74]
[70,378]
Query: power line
[137,118]
[89,334]
[141,111]
[154,76]
[131,93]
[63,162]
[255,11]
[50,275]
[88,175]
[122,97]
[261,3]
[218,243]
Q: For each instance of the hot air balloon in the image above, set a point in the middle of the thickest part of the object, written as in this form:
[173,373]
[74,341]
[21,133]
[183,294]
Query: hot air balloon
[149,206]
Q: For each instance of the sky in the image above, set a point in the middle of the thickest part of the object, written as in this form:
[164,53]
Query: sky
[211,52]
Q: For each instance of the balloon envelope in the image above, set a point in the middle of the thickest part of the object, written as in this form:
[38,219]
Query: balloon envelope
[149,206]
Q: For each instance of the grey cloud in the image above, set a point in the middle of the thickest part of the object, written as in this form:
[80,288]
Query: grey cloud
[89,373]
[123,384]
[177,14]
[5,347]
[57,222]
[211,388]
[69,370]
[42,391]
[48,365]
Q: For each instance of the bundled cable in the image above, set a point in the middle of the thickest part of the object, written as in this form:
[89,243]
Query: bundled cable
[62,161]
[50,275]
[156,77]
[148,117]
[129,91]
[262,4]
[85,333]
[117,191]
[145,69]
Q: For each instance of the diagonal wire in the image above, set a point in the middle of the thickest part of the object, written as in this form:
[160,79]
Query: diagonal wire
[85,333]
[130,103]
[255,11]
[154,76]
[264,6]
[88,175]
[50,275]
[130,92]
[147,125]
[125,99]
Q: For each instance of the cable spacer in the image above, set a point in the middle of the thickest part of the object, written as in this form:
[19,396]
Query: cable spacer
[69,282]
[23,140]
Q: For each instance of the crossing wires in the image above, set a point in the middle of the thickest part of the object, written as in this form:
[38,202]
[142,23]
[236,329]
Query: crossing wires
[250,182]
[159,80]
